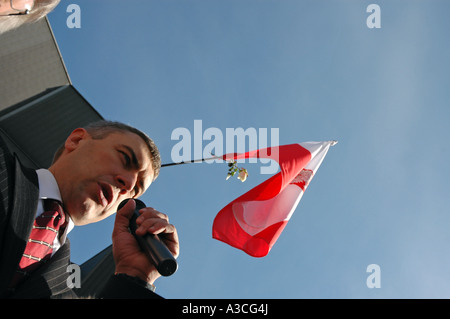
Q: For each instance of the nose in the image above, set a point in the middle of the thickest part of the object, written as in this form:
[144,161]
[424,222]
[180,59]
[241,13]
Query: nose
[126,182]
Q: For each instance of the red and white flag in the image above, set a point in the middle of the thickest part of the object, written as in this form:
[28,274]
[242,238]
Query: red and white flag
[254,221]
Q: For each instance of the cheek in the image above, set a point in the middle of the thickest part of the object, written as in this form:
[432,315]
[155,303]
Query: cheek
[79,202]
[86,213]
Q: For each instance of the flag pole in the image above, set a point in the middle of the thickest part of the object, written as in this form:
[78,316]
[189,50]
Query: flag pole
[334,142]
[191,161]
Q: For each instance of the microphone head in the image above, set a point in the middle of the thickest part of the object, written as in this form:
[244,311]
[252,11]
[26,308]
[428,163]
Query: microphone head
[139,204]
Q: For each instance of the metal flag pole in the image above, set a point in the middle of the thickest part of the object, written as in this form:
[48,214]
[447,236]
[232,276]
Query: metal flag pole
[334,142]
[191,161]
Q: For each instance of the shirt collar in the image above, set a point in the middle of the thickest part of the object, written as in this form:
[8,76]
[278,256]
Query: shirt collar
[48,188]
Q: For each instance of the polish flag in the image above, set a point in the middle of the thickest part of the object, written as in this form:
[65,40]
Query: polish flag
[254,221]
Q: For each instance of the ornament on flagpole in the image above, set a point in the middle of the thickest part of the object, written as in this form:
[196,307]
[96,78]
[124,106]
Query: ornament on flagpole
[233,169]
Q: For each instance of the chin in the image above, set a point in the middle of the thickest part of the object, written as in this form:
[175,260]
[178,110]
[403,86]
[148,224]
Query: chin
[86,214]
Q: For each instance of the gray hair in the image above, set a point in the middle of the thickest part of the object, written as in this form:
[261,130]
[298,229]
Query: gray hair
[40,10]
[101,129]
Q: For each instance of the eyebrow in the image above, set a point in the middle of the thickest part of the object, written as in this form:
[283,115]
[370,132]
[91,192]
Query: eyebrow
[134,160]
[135,164]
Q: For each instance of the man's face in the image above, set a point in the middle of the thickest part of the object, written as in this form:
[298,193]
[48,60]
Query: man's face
[100,173]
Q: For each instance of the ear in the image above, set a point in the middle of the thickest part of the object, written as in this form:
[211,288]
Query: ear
[74,139]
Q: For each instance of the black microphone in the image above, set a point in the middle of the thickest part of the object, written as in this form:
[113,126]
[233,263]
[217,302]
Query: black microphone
[152,245]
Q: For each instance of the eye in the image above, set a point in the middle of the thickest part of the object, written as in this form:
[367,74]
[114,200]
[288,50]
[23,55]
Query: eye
[127,158]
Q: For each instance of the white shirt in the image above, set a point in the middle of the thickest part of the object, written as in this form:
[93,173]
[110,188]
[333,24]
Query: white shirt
[48,188]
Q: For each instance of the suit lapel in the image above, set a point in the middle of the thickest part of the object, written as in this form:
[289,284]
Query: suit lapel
[48,280]
[51,278]
[24,205]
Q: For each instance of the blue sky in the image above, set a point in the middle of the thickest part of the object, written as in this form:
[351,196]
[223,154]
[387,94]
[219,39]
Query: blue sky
[315,71]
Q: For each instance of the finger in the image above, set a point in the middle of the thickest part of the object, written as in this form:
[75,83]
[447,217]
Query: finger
[150,212]
[123,216]
[154,226]
[166,232]
[169,236]
[172,242]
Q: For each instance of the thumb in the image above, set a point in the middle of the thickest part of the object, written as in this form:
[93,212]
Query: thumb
[123,216]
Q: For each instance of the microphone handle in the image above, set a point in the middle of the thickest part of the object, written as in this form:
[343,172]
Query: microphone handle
[152,245]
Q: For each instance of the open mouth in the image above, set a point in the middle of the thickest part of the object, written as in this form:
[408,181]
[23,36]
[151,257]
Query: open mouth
[106,194]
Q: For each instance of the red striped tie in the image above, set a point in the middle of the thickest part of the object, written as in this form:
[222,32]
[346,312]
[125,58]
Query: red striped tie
[40,243]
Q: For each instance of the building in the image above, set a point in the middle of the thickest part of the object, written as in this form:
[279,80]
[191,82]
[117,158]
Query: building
[39,107]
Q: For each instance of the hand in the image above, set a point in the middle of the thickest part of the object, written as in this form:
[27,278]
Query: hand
[128,256]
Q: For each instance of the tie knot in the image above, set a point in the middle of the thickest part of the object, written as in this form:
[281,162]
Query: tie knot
[53,208]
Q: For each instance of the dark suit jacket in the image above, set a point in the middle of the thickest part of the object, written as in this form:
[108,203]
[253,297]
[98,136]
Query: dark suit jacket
[19,195]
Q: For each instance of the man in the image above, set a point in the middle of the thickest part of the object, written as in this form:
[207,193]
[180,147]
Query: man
[93,172]
[14,13]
